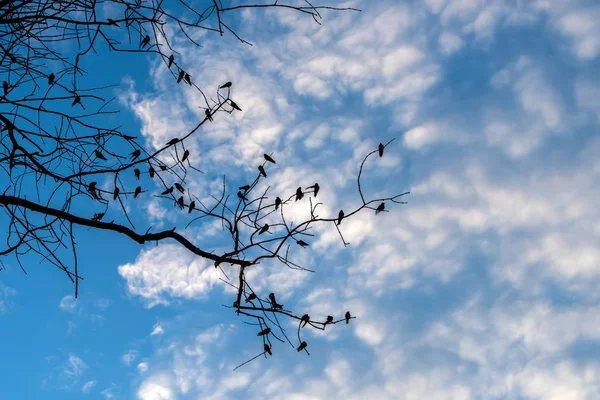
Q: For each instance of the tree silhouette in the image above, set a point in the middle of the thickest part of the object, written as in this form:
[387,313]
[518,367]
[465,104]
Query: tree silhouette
[62,164]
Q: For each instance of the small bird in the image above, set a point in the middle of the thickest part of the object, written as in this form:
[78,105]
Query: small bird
[163,167]
[302,243]
[315,188]
[136,172]
[145,41]
[268,349]
[264,332]
[250,297]
[171,59]
[180,202]
[269,159]
[329,319]
[116,193]
[99,155]
[168,191]
[172,142]
[305,318]
[151,172]
[381,147]
[92,189]
[241,196]
[262,171]
[274,302]
[302,346]
[135,154]
[277,202]
[234,105]
[188,79]
[97,216]
[208,116]
[138,190]
[264,229]
[76,101]
[340,217]
[191,207]
[347,316]
[51,78]
[299,194]
[380,208]
[225,85]
[186,154]
[244,188]
[181,75]
[5,87]
[179,187]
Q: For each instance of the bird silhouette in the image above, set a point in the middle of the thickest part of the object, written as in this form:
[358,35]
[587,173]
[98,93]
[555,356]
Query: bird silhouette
[269,159]
[244,188]
[340,217]
[262,171]
[97,216]
[179,187]
[136,172]
[302,346]
[188,79]
[151,172]
[380,148]
[51,78]
[234,105]
[135,154]
[380,208]
[299,194]
[264,229]
[264,332]
[76,101]
[5,87]
[347,316]
[181,75]
[116,193]
[168,191]
[180,202]
[274,303]
[171,59]
[277,202]
[172,142]
[268,349]
[305,318]
[225,85]
[241,196]
[99,155]
[315,188]
[250,297]
[163,167]
[302,243]
[138,190]
[329,319]
[208,116]
[186,154]
[92,189]
[145,41]
[191,207]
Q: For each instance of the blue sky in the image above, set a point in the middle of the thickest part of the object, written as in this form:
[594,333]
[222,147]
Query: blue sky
[484,286]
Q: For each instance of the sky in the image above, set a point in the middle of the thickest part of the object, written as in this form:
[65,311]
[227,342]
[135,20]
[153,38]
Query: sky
[483,286]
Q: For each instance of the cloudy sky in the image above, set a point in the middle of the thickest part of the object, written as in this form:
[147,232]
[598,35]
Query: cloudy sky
[484,286]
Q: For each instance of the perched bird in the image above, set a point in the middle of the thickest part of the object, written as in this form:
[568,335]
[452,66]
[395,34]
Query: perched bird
[92,189]
[234,105]
[381,147]
[264,332]
[145,41]
[299,194]
[277,202]
[186,154]
[5,87]
[168,191]
[305,318]
[274,302]
[171,59]
[99,155]
[208,116]
[51,78]
[241,196]
[302,243]
[262,171]
[264,229]
[302,346]
[181,75]
[340,216]
[188,79]
[97,216]
[347,316]
[315,188]
[138,190]
[172,142]
[116,193]
[151,172]
[329,319]
[135,154]
[225,85]
[76,101]
[179,187]
[380,208]
[269,159]
[136,172]
[268,349]
[250,297]
[191,207]
[180,202]
[163,167]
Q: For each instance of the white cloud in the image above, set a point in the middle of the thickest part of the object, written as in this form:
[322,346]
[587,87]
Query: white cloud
[129,357]
[88,386]
[5,293]
[581,26]
[142,367]
[69,303]
[157,329]
[74,366]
